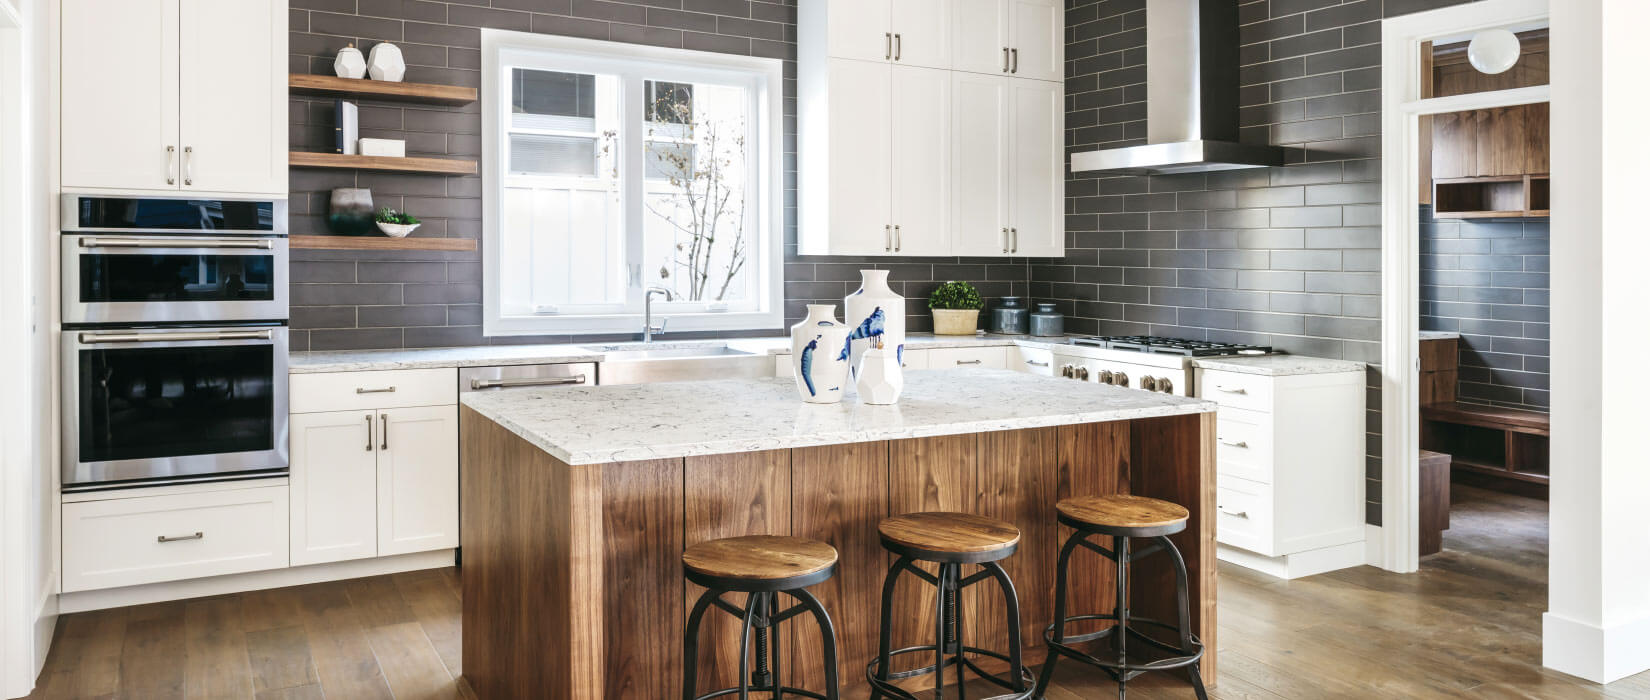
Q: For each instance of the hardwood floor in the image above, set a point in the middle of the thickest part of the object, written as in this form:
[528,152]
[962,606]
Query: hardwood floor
[1468,625]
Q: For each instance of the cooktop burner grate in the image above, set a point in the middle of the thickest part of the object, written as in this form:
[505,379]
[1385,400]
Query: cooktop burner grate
[1170,346]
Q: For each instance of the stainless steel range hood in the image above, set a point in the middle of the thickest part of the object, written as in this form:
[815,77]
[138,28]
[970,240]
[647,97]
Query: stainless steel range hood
[1191,96]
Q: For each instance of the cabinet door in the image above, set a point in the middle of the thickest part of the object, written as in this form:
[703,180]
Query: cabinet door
[1500,149]
[860,29]
[860,140]
[979,164]
[1536,124]
[979,36]
[334,487]
[233,102]
[922,33]
[417,479]
[1037,168]
[120,94]
[1454,145]
[1039,39]
[921,163]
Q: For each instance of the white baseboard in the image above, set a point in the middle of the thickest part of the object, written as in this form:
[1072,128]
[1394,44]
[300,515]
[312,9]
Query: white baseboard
[253,581]
[1374,546]
[1597,654]
[1299,564]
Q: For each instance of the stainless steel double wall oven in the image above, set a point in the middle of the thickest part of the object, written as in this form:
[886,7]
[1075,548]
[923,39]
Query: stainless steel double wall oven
[174,340]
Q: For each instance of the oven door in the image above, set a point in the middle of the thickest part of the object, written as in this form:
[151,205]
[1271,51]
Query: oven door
[146,405]
[173,279]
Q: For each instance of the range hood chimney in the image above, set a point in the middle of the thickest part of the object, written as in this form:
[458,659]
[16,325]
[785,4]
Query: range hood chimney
[1191,97]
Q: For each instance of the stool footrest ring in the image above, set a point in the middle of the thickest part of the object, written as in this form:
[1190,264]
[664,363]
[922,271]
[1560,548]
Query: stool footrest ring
[1027,679]
[785,690]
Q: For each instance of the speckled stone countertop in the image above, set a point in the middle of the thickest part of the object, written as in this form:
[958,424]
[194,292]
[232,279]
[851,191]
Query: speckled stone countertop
[1277,365]
[595,425]
[1439,335]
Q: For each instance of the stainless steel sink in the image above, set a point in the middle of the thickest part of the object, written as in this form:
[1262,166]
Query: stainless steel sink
[630,364]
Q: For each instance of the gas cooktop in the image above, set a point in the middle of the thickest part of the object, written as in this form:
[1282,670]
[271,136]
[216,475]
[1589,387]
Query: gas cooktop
[1170,346]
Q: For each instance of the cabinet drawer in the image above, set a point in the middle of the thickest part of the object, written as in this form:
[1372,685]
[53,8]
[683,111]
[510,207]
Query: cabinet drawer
[354,391]
[914,359]
[1244,444]
[1244,515]
[1032,360]
[952,358]
[131,541]
[1250,391]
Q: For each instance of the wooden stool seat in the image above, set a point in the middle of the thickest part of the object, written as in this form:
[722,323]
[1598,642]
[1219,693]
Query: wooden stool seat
[759,562]
[1119,514]
[949,537]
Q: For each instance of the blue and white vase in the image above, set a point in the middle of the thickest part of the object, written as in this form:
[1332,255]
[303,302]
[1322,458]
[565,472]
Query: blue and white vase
[880,379]
[819,355]
[876,316]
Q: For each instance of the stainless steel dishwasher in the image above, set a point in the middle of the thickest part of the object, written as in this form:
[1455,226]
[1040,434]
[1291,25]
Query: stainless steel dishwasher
[519,376]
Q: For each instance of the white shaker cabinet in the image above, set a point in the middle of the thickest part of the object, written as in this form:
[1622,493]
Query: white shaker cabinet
[1019,38]
[175,96]
[908,32]
[920,161]
[849,188]
[417,479]
[334,482]
[1037,186]
[1008,146]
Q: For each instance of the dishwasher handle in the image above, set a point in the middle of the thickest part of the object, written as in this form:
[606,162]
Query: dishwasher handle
[480,384]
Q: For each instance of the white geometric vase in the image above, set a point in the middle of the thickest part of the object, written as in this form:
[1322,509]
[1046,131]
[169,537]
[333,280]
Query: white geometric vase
[819,354]
[349,63]
[385,63]
[880,378]
[876,318]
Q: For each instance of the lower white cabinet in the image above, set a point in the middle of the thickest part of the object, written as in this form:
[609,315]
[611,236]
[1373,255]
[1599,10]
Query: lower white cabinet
[955,358]
[151,539]
[1031,360]
[374,481]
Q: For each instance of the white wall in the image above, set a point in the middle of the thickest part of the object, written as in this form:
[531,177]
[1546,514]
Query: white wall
[1598,620]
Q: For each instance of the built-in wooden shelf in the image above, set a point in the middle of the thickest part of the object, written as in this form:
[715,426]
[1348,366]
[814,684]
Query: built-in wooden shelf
[379,243]
[433,166]
[331,86]
[1499,197]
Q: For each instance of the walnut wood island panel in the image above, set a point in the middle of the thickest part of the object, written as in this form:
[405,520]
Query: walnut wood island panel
[572,572]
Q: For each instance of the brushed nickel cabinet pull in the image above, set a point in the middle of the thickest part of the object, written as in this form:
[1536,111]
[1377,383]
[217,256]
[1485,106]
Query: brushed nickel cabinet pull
[968,362]
[1016,68]
[479,384]
[171,165]
[188,165]
[163,539]
[1005,59]
[899,46]
[1035,363]
[384,431]
[888,238]
[369,432]
[1234,513]
[1014,240]
[887,45]
[1239,390]
[1233,443]
[1005,239]
[385,390]
[899,239]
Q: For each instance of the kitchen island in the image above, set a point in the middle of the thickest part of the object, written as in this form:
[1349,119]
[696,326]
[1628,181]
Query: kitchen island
[577,504]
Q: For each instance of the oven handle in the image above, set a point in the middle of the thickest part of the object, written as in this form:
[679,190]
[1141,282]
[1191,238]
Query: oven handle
[261,244]
[96,338]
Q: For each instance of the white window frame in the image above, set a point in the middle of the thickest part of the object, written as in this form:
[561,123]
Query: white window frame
[766,256]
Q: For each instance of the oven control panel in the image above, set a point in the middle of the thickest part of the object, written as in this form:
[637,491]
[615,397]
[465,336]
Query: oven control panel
[1145,378]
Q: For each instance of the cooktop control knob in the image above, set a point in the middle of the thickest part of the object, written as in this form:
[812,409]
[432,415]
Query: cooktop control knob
[1066,371]
[1165,386]
[1121,379]
[1149,383]
[1083,373]
[1106,377]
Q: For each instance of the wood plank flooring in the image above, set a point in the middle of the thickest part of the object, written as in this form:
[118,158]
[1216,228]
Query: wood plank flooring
[1468,625]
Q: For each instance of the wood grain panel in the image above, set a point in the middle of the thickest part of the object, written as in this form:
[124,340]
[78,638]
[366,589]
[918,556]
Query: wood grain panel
[346,88]
[1094,461]
[838,495]
[1537,125]
[1500,142]
[1020,483]
[1173,458]
[924,475]
[216,664]
[1454,145]
[730,496]
[642,545]
[533,566]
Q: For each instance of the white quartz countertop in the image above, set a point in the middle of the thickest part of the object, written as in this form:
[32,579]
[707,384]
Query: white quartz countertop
[1439,335]
[1277,365]
[595,425]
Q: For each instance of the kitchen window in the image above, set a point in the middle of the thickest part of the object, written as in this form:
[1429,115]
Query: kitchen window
[617,168]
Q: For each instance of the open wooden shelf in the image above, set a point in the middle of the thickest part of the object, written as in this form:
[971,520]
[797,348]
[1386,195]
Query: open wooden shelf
[331,86]
[379,243]
[433,166]
[1498,197]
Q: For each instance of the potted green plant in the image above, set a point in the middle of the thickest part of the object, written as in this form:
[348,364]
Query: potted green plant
[396,224]
[956,307]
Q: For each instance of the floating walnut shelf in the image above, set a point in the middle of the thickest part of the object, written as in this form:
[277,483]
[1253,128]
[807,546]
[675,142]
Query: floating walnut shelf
[329,86]
[433,166]
[379,243]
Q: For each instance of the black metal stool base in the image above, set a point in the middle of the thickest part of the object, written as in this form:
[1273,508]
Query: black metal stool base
[1187,655]
[760,616]
[949,652]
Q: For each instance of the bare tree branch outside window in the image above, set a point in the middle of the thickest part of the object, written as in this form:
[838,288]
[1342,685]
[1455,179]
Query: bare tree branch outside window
[702,157]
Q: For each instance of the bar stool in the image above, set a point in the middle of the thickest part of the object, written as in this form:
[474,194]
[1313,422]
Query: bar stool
[762,567]
[1123,518]
[950,540]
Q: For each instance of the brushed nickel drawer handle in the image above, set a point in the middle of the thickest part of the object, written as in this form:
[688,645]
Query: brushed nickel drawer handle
[369,432]
[385,390]
[384,431]
[1234,513]
[1005,59]
[163,539]
[887,45]
[1016,68]
[1035,363]
[171,165]
[1239,390]
[968,362]
[1234,443]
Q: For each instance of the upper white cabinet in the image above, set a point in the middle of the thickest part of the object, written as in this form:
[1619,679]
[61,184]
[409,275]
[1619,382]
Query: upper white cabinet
[1022,38]
[910,32]
[175,95]
[902,157]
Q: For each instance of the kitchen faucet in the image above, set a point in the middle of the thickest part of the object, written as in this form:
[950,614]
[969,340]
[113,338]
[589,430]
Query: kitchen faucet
[647,313]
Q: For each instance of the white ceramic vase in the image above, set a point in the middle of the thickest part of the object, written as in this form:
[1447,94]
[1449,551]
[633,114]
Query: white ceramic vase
[876,318]
[385,63]
[349,63]
[819,354]
[880,378]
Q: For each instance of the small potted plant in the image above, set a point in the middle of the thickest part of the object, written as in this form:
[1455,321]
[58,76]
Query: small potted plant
[396,224]
[956,307]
